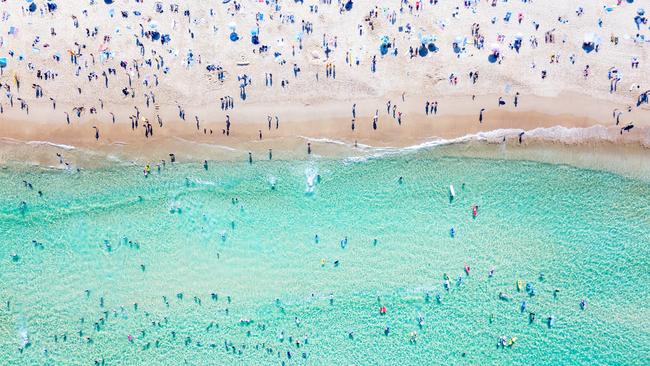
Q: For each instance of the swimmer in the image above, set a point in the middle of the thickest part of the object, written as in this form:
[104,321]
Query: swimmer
[583,304]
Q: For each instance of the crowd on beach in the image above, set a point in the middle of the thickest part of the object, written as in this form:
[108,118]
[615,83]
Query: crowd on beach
[116,61]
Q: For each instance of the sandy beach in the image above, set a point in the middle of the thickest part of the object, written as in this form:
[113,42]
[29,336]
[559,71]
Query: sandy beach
[334,49]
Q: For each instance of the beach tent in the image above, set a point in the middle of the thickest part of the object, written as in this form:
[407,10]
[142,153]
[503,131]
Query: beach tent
[255,39]
[385,44]
[590,42]
[459,44]
[495,51]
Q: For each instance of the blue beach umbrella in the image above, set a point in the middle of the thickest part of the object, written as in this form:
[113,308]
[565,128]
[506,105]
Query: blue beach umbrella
[108,2]
[432,47]
[423,51]
[348,5]
[3,62]
[234,37]
[32,7]
[155,36]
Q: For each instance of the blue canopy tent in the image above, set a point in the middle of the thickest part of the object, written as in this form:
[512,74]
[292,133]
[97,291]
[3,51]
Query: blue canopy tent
[384,46]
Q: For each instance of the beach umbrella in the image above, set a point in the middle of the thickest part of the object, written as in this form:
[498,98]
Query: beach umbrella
[153,24]
[423,51]
[232,26]
[234,37]
[32,7]
[348,5]
[108,2]
[640,11]
[3,62]
[495,48]
[432,47]
[51,6]
[155,36]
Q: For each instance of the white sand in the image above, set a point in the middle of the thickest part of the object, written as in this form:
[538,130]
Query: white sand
[321,109]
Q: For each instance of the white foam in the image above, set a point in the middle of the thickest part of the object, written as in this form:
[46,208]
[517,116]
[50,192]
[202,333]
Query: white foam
[48,143]
[556,133]
[205,144]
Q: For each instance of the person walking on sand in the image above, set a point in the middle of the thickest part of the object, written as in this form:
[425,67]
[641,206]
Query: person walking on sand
[480,116]
[96,133]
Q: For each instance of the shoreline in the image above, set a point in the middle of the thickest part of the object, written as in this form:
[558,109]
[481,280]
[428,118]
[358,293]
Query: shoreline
[624,157]
[577,125]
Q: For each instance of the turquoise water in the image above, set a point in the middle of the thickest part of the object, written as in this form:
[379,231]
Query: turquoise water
[586,231]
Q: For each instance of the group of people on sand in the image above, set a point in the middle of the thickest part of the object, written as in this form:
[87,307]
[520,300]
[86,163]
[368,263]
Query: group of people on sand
[96,61]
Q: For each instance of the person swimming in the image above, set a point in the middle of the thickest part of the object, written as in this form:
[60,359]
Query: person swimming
[583,304]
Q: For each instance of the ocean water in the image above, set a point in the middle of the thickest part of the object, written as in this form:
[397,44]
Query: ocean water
[221,266]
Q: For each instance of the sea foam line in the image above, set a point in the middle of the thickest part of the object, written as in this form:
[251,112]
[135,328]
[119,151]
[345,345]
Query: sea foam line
[47,143]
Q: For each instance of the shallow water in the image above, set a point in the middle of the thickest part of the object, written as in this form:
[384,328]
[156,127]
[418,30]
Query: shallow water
[586,231]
